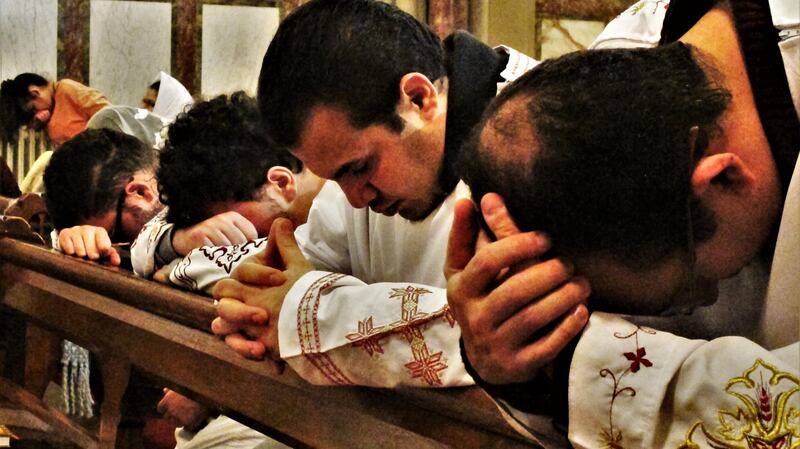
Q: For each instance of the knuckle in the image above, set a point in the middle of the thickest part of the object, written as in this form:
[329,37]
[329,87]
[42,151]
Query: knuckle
[577,290]
[482,262]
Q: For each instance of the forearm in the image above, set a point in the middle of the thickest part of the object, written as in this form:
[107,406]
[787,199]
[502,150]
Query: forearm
[655,389]
[336,330]
[204,267]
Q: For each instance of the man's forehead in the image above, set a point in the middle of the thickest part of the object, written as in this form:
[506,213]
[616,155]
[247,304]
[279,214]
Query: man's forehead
[327,141]
[508,134]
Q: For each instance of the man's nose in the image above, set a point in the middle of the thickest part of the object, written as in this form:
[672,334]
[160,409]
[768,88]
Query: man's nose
[360,195]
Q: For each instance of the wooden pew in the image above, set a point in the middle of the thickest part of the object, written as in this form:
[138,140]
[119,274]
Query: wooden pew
[162,331]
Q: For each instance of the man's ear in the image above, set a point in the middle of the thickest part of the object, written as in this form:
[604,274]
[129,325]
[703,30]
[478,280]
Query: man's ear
[724,170]
[283,181]
[419,96]
[141,189]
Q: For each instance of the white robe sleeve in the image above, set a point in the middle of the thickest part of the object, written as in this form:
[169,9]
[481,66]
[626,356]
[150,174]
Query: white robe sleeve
[635,387]
[205,266]
[143,250]
[323,238]
[336,330]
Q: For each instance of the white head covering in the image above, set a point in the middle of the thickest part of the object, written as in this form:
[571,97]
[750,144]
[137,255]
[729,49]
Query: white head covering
[172,98]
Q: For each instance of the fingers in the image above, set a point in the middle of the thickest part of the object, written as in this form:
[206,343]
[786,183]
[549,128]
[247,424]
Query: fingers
[538,280]
[229,228]
[546,349]
[282,233]
[65,243]
[461,243]
[78,245]
[488,263]
[497,217]
[245,227]
[103,248]
[545,312]
[88,241]
[246,348]
[257,274]
[161,407]
[236,229]
[113,257]
[222,327]
[241,314]
[162,275]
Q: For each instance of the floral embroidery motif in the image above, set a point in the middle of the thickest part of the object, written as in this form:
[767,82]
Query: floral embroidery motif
[764,418]
[424,364]
[367,337]
[638,359]
[611,437]
[226,256]
[182,276]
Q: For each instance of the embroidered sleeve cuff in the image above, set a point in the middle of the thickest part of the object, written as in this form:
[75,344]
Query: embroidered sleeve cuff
[288,339]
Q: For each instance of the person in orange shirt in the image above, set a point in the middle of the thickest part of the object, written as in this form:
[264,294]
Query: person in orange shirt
[62,107]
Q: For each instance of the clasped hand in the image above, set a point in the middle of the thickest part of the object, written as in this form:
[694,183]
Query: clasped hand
[250,301]
[517,309]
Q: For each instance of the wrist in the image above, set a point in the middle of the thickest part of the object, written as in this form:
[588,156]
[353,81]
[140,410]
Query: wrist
[166,251]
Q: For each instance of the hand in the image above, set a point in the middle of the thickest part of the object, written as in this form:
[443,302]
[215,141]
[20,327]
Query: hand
[162,274]
[182,411]
[250,302]
[503,296]
[225,229]
[87,241]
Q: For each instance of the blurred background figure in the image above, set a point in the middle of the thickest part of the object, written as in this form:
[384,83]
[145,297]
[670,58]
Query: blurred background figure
[62,108]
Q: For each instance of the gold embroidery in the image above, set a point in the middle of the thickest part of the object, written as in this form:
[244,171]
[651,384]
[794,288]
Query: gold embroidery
[424,364]
[764,419]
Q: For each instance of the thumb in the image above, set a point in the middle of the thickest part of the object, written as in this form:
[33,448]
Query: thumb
[497,217]
[461,243]
[282,234]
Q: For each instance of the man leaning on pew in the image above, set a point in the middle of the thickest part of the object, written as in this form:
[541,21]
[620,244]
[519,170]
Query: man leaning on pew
[661,216]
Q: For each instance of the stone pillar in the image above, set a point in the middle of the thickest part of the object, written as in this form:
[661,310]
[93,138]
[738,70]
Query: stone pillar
[185,37]
[73,32]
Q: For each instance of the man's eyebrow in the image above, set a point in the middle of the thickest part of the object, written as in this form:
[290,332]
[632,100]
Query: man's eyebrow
[344,169]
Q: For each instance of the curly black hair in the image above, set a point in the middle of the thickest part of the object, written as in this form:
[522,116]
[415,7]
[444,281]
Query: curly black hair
[217,151]
[594,149]
[13,96]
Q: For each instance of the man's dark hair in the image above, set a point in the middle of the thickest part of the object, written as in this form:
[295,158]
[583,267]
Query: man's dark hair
[85,177]
[349,54]
[13,96]
[217,151]
[598,152]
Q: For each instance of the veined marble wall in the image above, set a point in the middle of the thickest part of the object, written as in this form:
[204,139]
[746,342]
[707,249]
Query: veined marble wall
[560,36]
[235,39]
[129,43]
[28,37]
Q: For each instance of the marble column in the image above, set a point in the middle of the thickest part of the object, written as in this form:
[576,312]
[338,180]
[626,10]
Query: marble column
[73,32]
[185,42]
[447,16]
[440,16]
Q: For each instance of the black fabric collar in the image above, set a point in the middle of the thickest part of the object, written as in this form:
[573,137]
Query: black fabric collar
[473,71]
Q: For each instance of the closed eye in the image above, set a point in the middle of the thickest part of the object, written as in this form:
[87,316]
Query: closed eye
[356,167]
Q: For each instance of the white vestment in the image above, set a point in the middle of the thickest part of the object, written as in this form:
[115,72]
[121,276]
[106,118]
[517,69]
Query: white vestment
[633,386]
